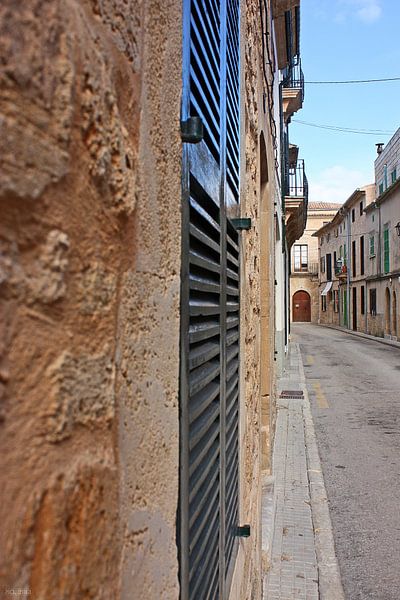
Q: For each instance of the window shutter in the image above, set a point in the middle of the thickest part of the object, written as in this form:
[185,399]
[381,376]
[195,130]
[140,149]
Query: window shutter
[209,373]
[386,258]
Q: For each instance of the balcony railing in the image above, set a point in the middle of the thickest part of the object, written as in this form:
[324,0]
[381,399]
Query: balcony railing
[340,268]
[296,181]
[294,78]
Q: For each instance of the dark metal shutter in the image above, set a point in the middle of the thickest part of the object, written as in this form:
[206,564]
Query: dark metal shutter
[232,289]
[209,387]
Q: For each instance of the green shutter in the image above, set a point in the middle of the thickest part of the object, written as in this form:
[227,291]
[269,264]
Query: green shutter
[386,260]
[372,245]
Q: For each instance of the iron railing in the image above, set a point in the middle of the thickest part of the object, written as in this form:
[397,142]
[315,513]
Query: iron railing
[296,180]
[294,77]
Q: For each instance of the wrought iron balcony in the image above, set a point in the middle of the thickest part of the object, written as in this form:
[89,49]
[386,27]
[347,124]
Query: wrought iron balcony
[295,187]
[292,89]
[294,78]
[340,268]
[296,181]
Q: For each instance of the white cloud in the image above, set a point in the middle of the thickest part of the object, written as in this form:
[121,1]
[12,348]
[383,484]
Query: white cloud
[336,184]
[367,11]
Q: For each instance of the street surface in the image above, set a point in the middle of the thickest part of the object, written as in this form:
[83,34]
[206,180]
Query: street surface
[354,389]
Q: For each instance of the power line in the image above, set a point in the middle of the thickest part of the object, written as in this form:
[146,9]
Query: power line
[353,81]
[345,129]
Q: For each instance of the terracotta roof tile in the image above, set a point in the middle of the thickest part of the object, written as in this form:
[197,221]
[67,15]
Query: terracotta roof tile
[323,206]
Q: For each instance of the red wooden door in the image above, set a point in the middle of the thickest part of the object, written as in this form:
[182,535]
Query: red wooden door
[302,306]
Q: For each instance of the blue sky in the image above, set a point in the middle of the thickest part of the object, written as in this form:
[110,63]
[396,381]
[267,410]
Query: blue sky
[341,40]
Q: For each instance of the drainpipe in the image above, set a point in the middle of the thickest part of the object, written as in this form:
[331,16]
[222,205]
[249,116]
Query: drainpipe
[379,269]
[349,258]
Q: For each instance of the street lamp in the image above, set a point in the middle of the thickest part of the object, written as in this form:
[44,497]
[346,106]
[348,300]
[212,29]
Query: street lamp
[397,227]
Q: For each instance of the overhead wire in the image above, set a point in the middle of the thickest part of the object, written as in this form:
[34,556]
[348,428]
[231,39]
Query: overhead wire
[344,129]
[350,81]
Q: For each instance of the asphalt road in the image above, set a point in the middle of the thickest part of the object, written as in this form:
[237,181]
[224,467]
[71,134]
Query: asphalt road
[354,388]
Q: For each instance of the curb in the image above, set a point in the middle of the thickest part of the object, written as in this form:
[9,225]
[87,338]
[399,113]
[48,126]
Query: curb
[366,336]
[330,585]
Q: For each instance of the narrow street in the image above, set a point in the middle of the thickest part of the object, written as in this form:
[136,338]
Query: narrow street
[353,384]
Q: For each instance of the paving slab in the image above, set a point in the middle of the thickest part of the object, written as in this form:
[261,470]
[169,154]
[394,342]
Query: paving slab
[303,562]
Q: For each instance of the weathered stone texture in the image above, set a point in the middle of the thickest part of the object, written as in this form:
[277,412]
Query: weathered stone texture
[256,308]
[89,296]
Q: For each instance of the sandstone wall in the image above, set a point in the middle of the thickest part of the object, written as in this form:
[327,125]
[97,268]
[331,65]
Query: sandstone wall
[89,271]
[257,306]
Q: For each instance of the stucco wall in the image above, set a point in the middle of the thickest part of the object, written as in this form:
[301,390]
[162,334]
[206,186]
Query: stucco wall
[308,282]
[89,234]
[387,161]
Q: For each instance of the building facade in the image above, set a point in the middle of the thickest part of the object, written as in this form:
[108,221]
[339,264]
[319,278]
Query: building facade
[304,284]
[362,243]
[342,268]
[383,245]
[148,210]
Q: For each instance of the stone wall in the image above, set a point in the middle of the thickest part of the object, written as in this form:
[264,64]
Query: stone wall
[89,271]
[257,307]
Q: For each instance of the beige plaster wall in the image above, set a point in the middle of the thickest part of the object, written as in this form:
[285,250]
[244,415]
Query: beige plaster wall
[89,263]
[309,281]
[390,157]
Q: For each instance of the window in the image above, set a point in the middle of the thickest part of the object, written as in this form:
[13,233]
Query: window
[371,245]
[353,258]
[344,255]
[300,256]
[322,239]
[386,255]
[328,237]
[329,267]
[340,229]
[336,232]
[322,264]
[380,189]
[353,215]
[372,302]
[393,175]
[323,303]
[361,207]
[344,225]
[362,290]
[362,265]
[335,301]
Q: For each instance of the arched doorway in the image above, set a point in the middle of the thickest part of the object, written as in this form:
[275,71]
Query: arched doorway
[301,309]
[394,314]
[387,311]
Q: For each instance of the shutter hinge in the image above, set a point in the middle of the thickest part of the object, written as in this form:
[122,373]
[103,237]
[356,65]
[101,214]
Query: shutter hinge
[241,224]
[243,531]
[192,130]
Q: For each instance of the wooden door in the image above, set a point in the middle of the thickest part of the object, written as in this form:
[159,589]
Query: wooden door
[301,307]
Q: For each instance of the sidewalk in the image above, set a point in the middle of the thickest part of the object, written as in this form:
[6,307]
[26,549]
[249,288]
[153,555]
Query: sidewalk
[375,338]
[303,562]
